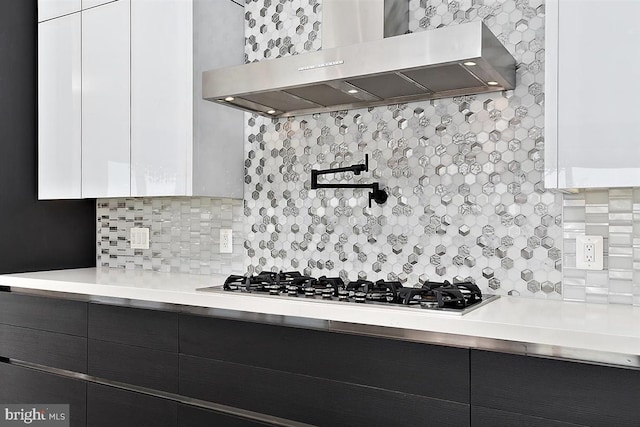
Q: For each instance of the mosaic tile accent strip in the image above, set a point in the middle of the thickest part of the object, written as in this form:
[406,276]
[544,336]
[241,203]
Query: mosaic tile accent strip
[184,234]
[615,215]
[464,175]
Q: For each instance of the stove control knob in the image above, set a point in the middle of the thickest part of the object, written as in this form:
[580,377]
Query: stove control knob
[360,296]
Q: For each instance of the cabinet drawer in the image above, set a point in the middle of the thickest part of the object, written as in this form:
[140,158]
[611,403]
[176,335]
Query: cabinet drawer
[134,326]
[189,416]
[134,365]
[44,348]
[388,364]
[557,390]
[109,407]
[47,314]
[312,400]
[487,417]
[22,385]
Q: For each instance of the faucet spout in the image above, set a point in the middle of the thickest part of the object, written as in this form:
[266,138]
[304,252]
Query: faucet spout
[378,195]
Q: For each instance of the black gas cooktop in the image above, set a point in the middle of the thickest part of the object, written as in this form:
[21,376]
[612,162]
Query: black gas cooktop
[457,297]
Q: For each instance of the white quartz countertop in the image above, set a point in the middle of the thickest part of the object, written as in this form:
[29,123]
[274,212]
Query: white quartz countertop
[565,326]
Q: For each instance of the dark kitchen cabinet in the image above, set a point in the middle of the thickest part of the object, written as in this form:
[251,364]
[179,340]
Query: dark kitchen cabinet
[44,348]
[135,356]
[46,331]
[319,377]
[486,417]
[46,314]
[23,386]
[312,400]
[559,391]
[134,326]
[134,346]
[139,366]
[190,416]
[109,407]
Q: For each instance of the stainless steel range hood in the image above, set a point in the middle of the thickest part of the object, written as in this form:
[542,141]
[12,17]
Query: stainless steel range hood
[457,60]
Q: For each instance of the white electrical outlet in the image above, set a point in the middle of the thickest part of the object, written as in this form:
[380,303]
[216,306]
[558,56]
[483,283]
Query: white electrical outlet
[139,238]
[226,241]
[589,253]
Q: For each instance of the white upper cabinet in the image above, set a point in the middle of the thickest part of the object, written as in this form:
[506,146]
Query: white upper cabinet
[161,97]
[49,9]
[591,108]
[105,101]
[180,145]
[59,108]
[145,129]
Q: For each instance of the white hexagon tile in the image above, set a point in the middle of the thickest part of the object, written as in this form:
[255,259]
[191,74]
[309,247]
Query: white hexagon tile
[464,175]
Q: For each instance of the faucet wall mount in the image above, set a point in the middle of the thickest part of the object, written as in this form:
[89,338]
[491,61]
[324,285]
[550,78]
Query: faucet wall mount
[377,194]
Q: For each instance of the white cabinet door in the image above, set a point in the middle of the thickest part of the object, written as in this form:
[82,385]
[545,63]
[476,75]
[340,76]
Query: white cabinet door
[161,97]
[59,112]
[592,91]
[86,4]
[106,101]
[48,9]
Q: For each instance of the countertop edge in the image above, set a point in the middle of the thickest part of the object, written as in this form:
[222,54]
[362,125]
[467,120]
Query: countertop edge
[182,301]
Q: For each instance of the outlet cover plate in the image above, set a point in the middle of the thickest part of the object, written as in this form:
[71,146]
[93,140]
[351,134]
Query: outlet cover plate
[226,241]
[589,253]
[139,238]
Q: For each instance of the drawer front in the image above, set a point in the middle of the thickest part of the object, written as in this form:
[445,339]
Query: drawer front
[134,365]
[486,417]
[22,385]
[134,326]
[556,390]
[47,314]
[376,362]
[44,348]
[109,407]
[189,416]
[312,400]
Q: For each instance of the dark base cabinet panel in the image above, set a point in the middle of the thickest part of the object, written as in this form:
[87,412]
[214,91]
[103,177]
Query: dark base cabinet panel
[46,314]
[485,417]
[23,385]
[134,365]
[189,416]
[312,400]
[112,407]
[376,362]
[134,326]
[570,392]
[44,348]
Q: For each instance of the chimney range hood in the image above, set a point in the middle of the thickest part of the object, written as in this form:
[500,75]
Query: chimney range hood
[457,60]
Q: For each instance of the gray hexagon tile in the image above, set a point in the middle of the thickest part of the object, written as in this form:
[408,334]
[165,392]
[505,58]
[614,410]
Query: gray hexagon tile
[464,175]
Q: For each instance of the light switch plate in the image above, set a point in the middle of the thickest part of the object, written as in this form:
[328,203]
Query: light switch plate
[589,253]
[226,241]
[139,238]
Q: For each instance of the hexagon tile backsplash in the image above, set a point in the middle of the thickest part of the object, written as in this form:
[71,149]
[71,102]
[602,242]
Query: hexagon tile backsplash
[464,178]
[464,175]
